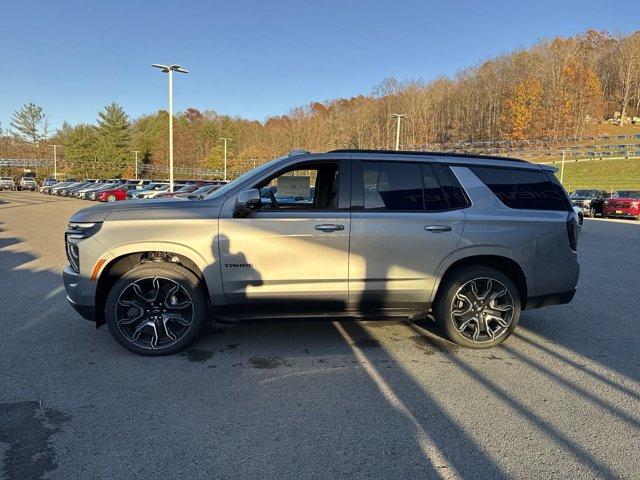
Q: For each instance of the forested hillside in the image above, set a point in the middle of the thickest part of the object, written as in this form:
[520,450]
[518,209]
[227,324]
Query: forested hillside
[559,88]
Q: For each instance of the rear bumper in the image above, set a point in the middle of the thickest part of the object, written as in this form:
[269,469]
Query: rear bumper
[550,299]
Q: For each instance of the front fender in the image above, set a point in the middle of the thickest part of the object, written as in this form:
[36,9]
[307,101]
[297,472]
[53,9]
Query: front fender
[209,268]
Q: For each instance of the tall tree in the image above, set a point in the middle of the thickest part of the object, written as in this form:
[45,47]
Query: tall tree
[627,70]
[114,138]
[30,123]
[520,109]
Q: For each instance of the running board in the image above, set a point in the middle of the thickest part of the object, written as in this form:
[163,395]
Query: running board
[312,317]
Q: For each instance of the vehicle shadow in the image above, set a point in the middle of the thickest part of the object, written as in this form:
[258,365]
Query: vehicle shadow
[600,324]
[389,406]
[431,333]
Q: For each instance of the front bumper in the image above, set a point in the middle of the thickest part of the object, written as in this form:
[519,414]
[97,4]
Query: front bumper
[75,296]
[88,312]
[621,212]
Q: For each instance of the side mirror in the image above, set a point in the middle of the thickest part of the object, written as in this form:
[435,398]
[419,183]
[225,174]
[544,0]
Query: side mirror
[246,202]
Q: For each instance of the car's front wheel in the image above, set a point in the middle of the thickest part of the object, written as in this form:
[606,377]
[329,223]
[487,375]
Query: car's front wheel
[111,198]
[156,308]
[479,307]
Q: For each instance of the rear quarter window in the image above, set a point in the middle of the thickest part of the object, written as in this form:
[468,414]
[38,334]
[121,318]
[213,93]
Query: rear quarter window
[524,189]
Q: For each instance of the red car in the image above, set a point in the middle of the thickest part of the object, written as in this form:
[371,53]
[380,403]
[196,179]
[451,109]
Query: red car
[623,204]
[112,195]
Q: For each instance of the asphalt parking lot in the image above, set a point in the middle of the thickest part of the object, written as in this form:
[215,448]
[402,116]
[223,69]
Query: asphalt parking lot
[560,399]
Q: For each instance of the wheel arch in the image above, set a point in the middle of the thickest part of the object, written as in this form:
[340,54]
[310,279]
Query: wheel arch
[504,264]
[121,264]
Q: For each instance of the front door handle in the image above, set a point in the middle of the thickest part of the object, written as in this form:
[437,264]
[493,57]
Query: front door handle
[437,228]
[329,227]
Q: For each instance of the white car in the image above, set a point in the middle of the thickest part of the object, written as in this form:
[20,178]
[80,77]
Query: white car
[164,188]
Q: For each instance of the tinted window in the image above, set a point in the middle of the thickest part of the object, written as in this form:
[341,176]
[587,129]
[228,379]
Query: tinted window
[434,197]
[524,189]
[392,186]
[453,191]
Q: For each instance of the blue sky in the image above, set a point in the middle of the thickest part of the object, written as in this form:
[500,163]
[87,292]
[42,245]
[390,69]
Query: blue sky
[259,58]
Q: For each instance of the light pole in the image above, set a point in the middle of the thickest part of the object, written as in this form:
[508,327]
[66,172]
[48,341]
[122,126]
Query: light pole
[55,161]
[562,168]
[136,153]
[170,69]
[225,156]
[398,116]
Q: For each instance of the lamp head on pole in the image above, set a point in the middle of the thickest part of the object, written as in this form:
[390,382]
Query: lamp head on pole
[167,68]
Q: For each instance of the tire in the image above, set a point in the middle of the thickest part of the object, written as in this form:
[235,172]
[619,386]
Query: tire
[111,198]
[171,328]
[490,332]
[592,212]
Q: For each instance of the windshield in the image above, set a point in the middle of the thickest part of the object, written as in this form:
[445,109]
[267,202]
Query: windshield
[183,189]
[627,194]
[225,188]
[157,186]
[583,193]
[204,190]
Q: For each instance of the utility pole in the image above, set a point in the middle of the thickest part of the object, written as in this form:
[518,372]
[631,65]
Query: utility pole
[55,161]
[225,156]
[136,153]
[170,69]
[399,116]
[562,168]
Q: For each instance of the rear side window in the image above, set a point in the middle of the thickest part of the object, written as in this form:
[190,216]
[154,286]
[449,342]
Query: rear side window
[524,189]
[434,197]
[406,186]
[392,186]
[452,189]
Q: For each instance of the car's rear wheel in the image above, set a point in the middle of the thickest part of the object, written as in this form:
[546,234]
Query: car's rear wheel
[156,308]
[479,307]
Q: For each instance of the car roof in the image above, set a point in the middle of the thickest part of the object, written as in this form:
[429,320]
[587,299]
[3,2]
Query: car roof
[454,158]
[393,153]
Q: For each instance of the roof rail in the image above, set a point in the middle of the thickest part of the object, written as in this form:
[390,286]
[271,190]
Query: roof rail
[297,152]
[431,154]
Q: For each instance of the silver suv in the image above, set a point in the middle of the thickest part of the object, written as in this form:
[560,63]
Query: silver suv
[347,233]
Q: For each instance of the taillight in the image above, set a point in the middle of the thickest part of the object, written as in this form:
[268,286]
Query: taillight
[573,229]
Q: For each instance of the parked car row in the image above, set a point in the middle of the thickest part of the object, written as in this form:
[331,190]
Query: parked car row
[113,190]
[620,204]
[25,183]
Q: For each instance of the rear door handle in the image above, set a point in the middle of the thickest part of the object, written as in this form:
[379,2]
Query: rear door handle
[438,228]
[329,227]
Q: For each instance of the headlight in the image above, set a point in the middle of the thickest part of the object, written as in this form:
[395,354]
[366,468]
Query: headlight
[635,204]
[606,202]
[73,235]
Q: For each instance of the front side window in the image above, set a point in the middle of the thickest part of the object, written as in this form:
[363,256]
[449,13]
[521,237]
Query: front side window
[311,186]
